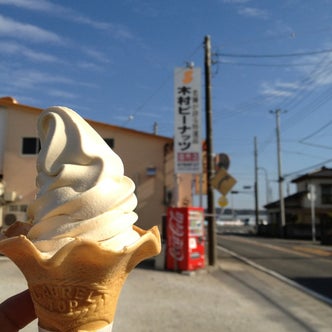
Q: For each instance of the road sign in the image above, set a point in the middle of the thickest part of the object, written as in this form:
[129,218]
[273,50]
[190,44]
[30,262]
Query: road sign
[221,160]
[223,181]
[223,201]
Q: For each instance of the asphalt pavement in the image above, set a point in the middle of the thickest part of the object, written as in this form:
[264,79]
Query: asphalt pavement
[233,296]
[306,263]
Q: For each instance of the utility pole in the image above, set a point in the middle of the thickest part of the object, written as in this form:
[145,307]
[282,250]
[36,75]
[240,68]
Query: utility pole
[313,216]
[267,187]
[256,183]
[280,177]
[212,254]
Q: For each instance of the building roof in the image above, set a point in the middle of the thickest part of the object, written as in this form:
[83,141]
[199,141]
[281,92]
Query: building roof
[10,102]
[322,173]
[291,200]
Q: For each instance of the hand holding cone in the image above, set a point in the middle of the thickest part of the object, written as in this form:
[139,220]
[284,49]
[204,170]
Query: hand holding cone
[83,242]
[78,288]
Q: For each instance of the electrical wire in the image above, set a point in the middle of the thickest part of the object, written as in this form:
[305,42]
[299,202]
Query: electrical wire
[316,131]
[273,65]
[307,88]
[309,81]
[288,175]
[156,91]
[234,55]
[305,139]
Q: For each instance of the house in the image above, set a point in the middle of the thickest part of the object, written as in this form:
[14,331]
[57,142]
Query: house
[300,210]
[147,158]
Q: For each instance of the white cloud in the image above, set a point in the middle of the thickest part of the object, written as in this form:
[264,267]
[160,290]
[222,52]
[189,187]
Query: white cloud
[306,79]
[117,30]
[20,79]
[236,1]
[321,73]
[253,12]
[96,55]
[280,28]
[40,5]
[34,77]
[62,94]
[288,85]
[272,90]
[29,32]
[89,66]
[13,48]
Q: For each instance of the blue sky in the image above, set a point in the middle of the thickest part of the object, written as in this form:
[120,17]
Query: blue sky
[113,61]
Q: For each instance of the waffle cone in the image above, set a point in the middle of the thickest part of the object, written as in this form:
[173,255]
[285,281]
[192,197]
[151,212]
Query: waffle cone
[78,288]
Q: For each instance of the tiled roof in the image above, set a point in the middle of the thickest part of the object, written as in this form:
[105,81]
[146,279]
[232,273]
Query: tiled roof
[322,173]
[289,200]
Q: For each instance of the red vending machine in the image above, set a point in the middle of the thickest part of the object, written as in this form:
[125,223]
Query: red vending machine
[185,239]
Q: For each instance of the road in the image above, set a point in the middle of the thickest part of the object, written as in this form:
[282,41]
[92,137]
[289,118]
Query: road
[309,265]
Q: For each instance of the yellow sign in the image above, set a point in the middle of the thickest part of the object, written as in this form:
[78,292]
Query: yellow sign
[223,201]
[223,181]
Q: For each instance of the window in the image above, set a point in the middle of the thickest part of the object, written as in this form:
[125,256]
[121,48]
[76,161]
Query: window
[18,208]
[23,208]
[110,142]
[30,145]
[13,208]
[326,193]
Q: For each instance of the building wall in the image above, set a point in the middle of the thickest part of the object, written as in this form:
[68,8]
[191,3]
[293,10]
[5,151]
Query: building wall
[305,185]
[137,150]
[19,171]
[2,136]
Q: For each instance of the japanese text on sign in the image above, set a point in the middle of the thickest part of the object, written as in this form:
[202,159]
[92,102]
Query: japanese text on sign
[187,138]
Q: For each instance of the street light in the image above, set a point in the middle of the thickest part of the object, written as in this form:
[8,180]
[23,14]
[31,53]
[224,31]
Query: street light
[267,184]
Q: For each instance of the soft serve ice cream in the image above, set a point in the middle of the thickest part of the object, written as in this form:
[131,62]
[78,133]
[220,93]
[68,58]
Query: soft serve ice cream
[83,242]
[83,192]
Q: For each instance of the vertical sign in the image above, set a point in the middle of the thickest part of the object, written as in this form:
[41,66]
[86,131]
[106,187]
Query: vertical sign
[187,120]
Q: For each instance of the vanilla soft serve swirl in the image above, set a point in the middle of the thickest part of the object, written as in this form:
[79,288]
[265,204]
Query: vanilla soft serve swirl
[83,192]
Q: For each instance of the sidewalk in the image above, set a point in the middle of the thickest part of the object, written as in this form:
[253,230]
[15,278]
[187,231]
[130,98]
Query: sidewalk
[231,297]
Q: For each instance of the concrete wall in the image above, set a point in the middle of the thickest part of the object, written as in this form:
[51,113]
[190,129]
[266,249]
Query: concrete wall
[305,185]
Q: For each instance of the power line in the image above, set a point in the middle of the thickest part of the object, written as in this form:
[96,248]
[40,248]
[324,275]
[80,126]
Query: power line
[156,91]
[317,131]
[300,153]
[234,55]
[305,90]
[302,90]
[317,145]
[267,64]
[322,68]
[308,168]
[310,108]
[304,139]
